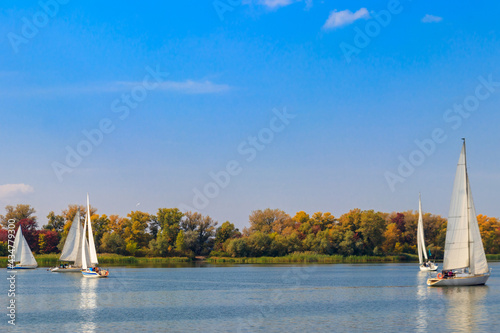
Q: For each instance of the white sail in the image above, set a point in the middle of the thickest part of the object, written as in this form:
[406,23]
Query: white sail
[17,245]
[478,263]
[72,250]
[85,248]
[93,254]
[23,252]
[422,251]
[456,251]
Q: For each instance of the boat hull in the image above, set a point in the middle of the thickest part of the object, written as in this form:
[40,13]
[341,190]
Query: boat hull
[433,267]
[66,270]
[95,275]
[22,267]
[470,280]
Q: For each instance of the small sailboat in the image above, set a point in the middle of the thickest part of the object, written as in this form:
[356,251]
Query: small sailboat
[22,253]
[426,265]
[72,251]
[89,254]
[464,259]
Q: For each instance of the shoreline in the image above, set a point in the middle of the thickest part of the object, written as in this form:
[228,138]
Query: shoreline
[51,260]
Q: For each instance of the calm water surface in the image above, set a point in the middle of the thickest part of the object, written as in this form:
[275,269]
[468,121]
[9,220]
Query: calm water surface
[244,298]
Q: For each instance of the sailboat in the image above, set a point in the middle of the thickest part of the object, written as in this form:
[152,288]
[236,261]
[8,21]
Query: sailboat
[426,265]
[464,259]
[89,254]
[22,253]
[72,250]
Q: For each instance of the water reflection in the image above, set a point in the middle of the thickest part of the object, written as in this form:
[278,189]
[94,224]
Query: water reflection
[466,311]
[422,299]
[88,303]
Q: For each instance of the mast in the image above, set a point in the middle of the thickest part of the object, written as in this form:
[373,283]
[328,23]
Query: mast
[467,200]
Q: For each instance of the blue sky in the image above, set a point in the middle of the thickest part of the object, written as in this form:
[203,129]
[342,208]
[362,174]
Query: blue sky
[221,77]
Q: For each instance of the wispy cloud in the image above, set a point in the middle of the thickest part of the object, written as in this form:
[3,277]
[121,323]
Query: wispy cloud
[9,190]
[345,17]
[193,87]
[428,18]
[275,4]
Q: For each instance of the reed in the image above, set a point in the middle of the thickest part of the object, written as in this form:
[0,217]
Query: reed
[493,257]
[305,257]
[48,260]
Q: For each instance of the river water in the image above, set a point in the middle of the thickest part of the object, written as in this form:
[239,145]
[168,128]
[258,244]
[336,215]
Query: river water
[250,298]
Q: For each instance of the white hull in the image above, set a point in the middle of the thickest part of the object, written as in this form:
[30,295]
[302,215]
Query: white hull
[92,274]
[432,267]
[66,270]
[23,267]
[460,280]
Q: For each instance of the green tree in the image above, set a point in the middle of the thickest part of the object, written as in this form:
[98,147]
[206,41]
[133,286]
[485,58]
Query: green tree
[169,222]
[112,243]
[55,222]
[100,226]
[199,232]
[180,245]
[135,230]
[223,233]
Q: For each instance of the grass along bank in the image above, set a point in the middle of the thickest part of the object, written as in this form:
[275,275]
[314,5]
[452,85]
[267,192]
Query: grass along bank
[314,258]
[51,260]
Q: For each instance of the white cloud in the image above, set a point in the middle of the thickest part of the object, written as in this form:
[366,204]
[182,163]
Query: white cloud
[344,17]
[9,190]
[275,4]
[428,18]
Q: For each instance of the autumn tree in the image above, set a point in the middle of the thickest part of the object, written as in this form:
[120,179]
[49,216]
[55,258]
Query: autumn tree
[47,241]
[265,220]
[490,233]
[70,212]
[18,213]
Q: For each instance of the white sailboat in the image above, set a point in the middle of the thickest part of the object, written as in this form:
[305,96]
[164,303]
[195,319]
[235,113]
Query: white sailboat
[22,253]
[426,265]
[89,254]
[464,259]
[72,251]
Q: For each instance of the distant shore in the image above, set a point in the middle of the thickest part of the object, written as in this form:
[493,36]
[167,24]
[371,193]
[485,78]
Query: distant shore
[51,260]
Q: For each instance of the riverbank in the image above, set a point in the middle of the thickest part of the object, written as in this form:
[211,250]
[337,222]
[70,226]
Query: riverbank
[50,260]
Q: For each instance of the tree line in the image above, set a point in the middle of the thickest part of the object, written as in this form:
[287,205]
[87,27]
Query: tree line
[271,232]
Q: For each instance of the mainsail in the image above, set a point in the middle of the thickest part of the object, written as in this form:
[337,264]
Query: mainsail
[22,250]
[478,263]
[89,255]
[422,252]
[93,254]
[463,247]
[72,250]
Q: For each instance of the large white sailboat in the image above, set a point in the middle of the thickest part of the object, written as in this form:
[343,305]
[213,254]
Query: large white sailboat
[464,259]
[22,253]
[426,265]
[89,254]
[72,251]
